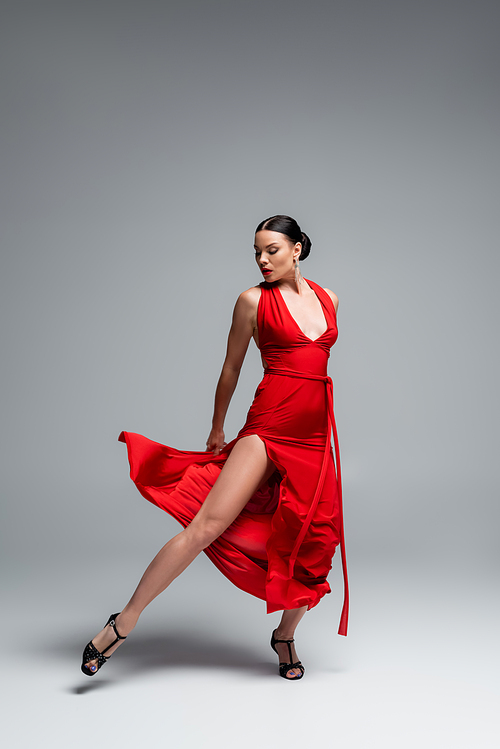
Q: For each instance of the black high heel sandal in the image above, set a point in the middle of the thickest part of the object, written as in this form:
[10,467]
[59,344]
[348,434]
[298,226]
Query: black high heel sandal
[92,654]
[286,667]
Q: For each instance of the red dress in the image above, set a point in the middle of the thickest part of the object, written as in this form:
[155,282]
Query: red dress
[280,547]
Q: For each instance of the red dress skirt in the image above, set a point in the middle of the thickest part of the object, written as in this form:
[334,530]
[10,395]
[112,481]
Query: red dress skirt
[281,545]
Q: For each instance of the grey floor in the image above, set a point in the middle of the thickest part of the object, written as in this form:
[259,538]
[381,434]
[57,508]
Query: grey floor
[419,667]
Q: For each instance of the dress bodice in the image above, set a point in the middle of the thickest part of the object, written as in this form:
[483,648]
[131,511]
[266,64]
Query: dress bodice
[282,343]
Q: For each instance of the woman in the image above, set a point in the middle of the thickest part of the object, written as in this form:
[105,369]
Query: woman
[267,507]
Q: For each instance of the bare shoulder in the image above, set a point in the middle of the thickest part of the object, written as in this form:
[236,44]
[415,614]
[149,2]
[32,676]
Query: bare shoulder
[334,298]
[248,301]
[251,295]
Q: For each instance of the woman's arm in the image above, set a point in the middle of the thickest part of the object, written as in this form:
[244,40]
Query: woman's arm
[243,324]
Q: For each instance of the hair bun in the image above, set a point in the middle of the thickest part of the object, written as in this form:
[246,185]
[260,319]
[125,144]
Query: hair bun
[306,246]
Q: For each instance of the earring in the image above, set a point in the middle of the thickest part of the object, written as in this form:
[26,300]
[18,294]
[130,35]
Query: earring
[298,277]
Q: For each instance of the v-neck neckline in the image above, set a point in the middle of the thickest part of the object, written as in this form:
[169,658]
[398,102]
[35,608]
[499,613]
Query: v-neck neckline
[312,340]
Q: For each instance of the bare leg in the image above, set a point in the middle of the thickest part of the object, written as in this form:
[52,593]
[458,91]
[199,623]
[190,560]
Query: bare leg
[286,631]
[246,468]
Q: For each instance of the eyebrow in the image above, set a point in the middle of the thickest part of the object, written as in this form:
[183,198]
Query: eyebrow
[267,245]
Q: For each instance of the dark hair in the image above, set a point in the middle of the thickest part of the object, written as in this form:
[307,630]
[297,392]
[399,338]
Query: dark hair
[290,228]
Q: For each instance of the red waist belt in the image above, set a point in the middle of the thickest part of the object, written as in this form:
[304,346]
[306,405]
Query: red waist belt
[331,426]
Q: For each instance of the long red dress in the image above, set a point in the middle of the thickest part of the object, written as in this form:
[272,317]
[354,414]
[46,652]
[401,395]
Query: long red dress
[280,547]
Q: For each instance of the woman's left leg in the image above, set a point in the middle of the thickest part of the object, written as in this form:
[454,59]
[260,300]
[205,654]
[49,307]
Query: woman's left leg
[286,631]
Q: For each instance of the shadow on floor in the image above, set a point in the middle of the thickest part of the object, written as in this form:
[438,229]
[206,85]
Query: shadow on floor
[91,687]
[153,652]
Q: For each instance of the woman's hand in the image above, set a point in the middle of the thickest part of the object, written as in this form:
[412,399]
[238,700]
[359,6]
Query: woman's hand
[215,441]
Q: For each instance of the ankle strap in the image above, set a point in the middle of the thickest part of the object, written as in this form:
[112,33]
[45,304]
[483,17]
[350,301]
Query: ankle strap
[112,623]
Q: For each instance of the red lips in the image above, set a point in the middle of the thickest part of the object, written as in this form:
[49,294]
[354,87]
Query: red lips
[266,271]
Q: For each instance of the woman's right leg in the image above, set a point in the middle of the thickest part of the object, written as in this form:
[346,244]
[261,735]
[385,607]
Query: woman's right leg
[246,468]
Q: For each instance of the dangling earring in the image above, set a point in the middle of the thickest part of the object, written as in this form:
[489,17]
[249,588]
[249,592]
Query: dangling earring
[298,277]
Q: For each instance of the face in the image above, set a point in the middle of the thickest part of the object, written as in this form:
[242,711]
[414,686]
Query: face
[275,254]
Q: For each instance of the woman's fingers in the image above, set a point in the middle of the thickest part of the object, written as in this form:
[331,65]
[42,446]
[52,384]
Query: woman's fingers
[215,441]
[216,448]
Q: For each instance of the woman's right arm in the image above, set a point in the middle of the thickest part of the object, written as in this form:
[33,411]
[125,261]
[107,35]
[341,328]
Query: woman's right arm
[243,324]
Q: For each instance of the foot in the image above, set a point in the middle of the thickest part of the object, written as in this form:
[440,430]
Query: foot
[106,637]
[284,655]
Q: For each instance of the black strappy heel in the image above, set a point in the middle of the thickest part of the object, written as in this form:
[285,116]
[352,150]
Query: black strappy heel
[286,667]
[92,654]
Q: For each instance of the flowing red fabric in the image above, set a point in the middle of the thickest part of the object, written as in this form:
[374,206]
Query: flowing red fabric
[280,547]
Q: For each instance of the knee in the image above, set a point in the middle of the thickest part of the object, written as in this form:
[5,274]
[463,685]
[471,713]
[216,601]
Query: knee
[202,534]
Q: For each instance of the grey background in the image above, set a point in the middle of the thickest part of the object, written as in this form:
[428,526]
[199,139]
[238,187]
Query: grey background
[141,145]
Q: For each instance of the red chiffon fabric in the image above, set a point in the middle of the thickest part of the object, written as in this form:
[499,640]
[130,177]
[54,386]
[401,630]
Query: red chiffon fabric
[280,547]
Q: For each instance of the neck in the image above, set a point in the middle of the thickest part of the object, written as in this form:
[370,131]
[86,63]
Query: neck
[298,286]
